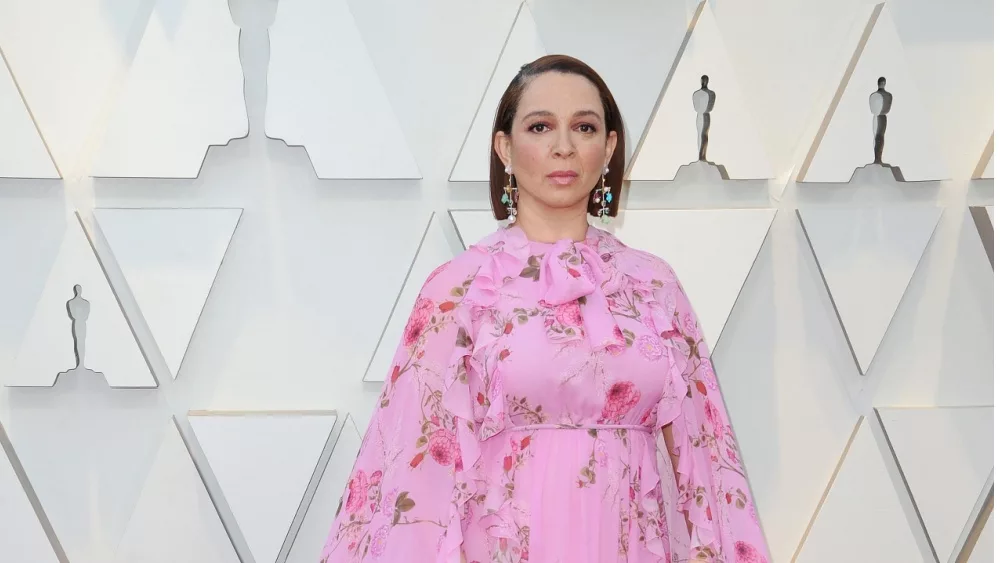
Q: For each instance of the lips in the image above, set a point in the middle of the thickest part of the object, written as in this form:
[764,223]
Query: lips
[563,177]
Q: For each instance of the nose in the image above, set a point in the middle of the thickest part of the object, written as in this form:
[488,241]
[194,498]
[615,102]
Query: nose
[563,145]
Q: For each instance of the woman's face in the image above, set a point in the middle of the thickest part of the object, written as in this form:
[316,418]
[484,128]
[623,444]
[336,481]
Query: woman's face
[558,146]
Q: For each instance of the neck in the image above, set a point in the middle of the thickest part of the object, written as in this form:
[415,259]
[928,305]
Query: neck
[552,225]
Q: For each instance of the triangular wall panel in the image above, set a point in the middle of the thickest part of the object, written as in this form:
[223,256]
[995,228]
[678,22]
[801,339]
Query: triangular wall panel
[323,93]
[946,455]
[21,533]
[434,250]
[867,257]
[938,349]
[316,526]
[174,518]
[711,250]
[847,142]
[671,139]
[22,152]
[184,92]
[263,463]
[523,45]
[48,345]
[472,226]
[861,518]
[169,258]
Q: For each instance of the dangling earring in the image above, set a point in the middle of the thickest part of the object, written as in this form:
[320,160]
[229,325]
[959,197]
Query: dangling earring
[509,197]
[602,195]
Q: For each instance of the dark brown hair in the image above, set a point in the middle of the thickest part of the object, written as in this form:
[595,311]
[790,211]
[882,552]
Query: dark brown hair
[504,121]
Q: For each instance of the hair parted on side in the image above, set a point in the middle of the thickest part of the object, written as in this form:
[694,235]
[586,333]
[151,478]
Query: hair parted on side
[504,121]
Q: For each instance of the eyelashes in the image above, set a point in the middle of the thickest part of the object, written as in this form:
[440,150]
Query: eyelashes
[540,127]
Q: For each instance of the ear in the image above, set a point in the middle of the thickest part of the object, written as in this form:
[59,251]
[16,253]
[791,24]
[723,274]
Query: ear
[610,145]
[501,145]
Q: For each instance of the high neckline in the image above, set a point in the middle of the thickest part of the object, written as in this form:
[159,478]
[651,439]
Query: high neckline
[515,232]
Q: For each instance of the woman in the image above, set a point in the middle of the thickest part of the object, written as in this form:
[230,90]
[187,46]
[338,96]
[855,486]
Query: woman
[519,419]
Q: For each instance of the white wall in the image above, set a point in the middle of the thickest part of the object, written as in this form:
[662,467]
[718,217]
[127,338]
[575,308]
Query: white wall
[819,375]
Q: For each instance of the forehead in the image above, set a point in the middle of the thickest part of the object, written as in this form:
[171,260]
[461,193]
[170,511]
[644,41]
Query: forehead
[560,93]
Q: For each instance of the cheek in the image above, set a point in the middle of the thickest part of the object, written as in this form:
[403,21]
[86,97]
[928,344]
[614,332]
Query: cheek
[528,158]
[593,156]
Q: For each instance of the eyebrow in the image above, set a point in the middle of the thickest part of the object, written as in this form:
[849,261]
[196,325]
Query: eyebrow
[544,113]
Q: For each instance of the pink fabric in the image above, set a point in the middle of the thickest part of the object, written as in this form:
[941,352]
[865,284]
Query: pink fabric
[519,420]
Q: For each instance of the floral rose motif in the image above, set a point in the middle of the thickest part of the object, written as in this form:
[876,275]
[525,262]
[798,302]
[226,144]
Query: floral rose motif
[568,314]
[715,418]
[620,399]
[379,540]
[650,347]
[444,447]
[418,320]
[746,553]
[358,492]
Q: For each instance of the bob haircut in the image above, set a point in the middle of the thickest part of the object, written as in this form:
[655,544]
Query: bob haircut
[504,121]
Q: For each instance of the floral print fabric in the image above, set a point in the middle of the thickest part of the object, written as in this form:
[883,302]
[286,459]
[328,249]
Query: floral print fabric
[520,419]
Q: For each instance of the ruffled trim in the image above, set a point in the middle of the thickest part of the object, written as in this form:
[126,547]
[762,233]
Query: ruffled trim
[500,256]
[468,366]
[655,285]
[676,408]
[456,401]
[656,540]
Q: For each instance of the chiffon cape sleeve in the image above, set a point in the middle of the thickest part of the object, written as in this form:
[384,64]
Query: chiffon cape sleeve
[712,489]
[411,481]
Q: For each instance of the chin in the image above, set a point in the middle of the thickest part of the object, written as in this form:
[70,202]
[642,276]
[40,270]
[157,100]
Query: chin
[567,200]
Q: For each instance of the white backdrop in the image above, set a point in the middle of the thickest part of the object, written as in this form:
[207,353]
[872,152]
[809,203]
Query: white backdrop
[250,193]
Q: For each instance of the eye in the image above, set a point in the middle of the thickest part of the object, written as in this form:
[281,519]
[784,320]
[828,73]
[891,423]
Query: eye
[588,128]
[537,127]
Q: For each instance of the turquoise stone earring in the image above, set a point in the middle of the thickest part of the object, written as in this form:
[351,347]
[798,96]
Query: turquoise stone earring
[602,195]
[509,196]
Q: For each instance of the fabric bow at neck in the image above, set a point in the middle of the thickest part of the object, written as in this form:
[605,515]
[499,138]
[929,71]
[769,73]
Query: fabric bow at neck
[569,271]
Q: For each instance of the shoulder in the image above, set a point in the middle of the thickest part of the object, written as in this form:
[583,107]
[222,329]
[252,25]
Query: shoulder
[452,278]
[635,262]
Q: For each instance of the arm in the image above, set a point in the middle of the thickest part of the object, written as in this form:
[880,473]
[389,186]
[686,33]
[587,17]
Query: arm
[715,491]
[668,438]
[403,494]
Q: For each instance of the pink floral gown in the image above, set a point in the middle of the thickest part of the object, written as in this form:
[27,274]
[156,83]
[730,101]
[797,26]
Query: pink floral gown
[520,418]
